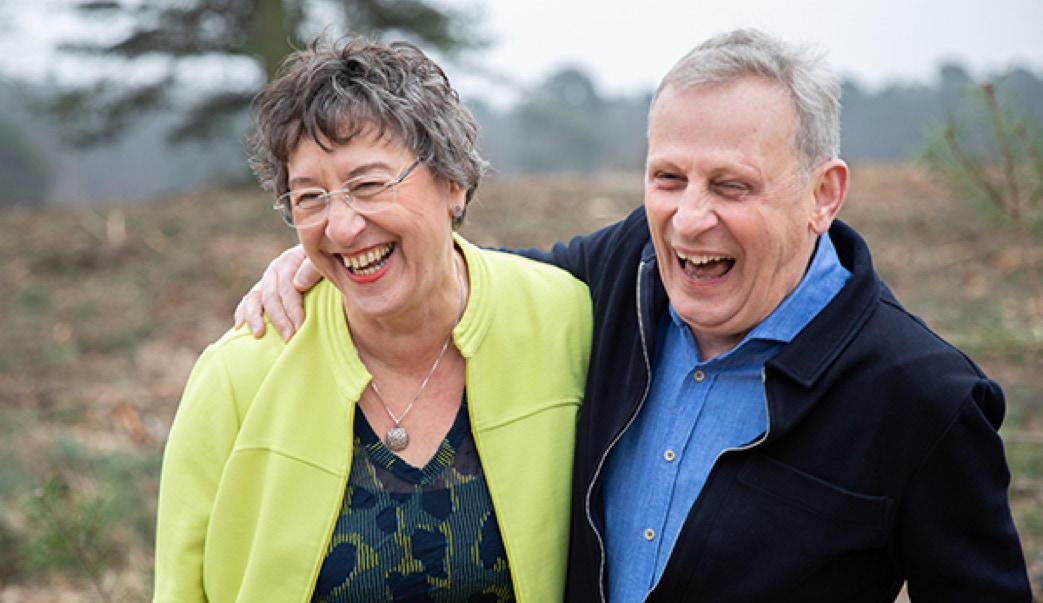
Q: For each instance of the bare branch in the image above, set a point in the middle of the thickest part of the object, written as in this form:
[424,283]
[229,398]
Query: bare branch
[971,169]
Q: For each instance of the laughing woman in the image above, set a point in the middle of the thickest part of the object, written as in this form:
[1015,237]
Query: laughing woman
[413,441]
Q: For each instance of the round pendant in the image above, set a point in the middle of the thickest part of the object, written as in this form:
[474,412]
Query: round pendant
[396,439]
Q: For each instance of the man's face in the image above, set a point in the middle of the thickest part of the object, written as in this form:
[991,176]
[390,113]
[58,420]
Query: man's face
[733,223]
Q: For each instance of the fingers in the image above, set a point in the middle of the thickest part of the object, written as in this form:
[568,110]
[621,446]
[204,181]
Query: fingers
[279,299]
[278,294]
[307,276]
[250,312]
[239,316]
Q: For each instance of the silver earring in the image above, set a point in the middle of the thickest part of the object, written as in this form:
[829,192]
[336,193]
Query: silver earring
[458,211]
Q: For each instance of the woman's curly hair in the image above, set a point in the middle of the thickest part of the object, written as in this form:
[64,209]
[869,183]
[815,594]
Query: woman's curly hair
[335,90]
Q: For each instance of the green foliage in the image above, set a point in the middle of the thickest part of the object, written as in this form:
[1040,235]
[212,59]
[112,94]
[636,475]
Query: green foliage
[100,112]
[995,155]
[992,156]
[82,517]
[70,530]
[244,36]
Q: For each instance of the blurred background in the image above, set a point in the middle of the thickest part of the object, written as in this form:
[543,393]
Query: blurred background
[154,94]
[130,224]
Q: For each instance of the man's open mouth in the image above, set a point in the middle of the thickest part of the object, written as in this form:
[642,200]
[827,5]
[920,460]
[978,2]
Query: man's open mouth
[705,267]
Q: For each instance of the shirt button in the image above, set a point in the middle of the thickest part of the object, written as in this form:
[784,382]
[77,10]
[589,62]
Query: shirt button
[699,376]
[669,456]
[649,534]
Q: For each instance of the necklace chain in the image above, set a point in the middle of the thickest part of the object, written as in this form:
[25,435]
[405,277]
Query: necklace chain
[397,439]
[376,390]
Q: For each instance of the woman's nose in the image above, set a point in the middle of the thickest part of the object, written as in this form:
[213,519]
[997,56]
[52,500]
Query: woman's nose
[343,223]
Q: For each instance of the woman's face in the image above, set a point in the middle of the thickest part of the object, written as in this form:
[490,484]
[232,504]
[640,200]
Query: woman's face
[393,264]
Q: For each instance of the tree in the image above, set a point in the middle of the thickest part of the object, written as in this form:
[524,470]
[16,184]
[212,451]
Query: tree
[168,42]
[562,125]
[1004,172]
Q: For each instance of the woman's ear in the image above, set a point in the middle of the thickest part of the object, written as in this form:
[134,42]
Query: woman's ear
[457,200]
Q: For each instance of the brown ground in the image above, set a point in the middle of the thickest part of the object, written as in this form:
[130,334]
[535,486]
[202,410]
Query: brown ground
[104,311]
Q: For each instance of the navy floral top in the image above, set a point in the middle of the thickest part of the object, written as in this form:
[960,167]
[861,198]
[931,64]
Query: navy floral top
[415,534]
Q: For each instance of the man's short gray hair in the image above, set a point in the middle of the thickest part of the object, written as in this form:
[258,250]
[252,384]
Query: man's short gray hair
[800,71]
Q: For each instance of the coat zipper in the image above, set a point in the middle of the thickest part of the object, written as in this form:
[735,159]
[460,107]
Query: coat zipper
[604,457]
[633,417]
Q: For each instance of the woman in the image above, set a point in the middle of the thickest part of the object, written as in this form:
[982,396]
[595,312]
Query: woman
[413,441]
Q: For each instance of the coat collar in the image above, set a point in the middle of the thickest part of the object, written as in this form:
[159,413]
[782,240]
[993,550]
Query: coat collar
[815,348]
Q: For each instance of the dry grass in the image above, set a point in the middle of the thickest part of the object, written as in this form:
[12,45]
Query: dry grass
[104,311]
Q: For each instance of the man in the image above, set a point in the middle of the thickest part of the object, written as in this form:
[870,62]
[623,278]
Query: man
[763,421]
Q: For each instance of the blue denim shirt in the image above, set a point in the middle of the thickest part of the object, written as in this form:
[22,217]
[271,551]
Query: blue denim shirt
[695,410]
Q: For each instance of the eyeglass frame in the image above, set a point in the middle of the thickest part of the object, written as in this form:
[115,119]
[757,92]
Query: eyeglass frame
[284,203]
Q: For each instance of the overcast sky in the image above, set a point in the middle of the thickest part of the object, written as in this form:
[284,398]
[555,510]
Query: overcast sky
[627,45]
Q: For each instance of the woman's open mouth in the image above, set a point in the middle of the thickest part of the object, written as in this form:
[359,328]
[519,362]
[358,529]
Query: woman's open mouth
[370,262]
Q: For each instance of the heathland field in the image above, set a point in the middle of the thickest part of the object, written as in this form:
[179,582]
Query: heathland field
[104,309]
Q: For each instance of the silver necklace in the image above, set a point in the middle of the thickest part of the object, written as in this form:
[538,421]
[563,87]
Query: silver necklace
[397,438]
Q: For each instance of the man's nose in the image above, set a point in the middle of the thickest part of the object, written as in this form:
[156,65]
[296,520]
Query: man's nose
[696,212]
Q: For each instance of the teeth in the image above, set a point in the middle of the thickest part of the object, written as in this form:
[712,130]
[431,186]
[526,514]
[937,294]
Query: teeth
[369,262]
[702,260]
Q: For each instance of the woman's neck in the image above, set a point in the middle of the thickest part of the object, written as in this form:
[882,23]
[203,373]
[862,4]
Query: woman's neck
[410,341]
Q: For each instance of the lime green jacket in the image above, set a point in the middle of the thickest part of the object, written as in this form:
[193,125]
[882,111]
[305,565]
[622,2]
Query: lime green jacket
[258,455]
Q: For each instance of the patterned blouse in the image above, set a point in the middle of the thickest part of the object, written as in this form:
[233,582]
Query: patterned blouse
[415,534]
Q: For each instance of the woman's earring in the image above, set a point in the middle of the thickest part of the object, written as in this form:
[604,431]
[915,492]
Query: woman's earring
[458,211]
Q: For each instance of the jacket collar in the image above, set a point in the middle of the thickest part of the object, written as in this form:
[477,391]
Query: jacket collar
[815,348]
[474,324]
[795,374]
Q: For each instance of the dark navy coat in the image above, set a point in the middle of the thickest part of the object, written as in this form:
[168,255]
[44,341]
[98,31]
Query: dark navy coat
[882,462]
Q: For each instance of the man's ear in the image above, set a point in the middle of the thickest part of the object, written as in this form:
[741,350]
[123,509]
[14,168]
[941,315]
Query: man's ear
[831,180]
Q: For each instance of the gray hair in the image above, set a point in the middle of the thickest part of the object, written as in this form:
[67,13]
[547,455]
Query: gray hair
[801,72]
[336,90]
